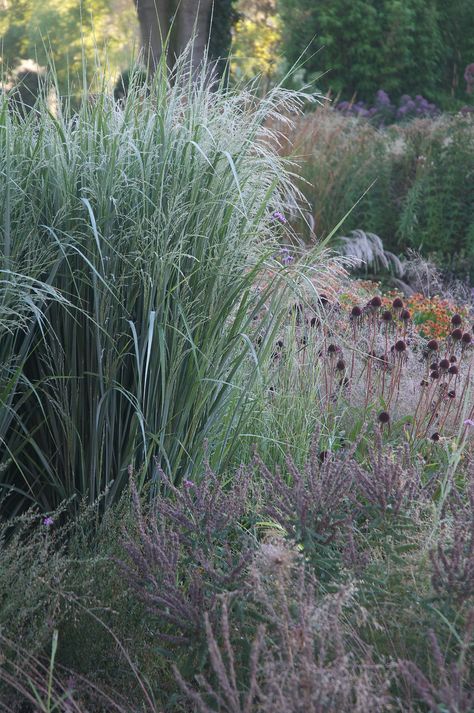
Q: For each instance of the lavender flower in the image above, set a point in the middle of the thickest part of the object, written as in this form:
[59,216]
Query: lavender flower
[48,521]
[286,257]
[278,215]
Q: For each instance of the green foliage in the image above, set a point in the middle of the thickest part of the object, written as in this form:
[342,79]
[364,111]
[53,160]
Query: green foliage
[68,33]
[414,47]
[412,185]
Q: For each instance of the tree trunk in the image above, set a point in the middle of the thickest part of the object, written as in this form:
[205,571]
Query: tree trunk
[154,19]
[194,20]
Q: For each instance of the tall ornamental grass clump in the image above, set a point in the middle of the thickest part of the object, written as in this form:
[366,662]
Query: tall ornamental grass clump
[150,224]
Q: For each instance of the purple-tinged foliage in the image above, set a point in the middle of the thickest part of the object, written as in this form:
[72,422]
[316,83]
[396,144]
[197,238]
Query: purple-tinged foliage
[393,480]
[181,556]
[226,694]
[453,560]
[384,112]
[312,504]
[450,690]
[306,660]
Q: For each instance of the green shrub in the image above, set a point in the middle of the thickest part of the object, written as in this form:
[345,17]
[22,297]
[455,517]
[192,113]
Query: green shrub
[412,47]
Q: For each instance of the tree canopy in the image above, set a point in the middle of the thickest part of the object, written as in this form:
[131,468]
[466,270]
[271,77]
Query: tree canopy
[402,46]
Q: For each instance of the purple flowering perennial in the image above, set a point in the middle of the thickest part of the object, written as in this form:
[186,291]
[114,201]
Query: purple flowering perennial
[278,215]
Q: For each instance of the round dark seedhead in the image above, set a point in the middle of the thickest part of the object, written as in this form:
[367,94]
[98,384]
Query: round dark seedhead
[435,437]
[452,359]
[453,370]
[341,365]
[387,316]
[444,364]
[356,312]
[456,320]
[433,345]
[435,374]
[397,303]
[332,349]
[423,382]
[456,334]
[466,338]
[375,302]
[400,346]
[384,417]
[434,365]
[405,315]
[313,321]
[452,394]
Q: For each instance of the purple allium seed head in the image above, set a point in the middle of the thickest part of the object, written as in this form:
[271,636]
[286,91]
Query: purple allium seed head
[423,382]
[452,394]
[466,338]
[341,365]
[433,345]
[453,370]
[400,346]
[376,302]
[384,417]
[397,303]
[444,364]
[456,320]
[434,366]
[332,349]
[452,359]
[456,334]
[356,311]
[387,316]
[435,437]
[435,374]
[405,315]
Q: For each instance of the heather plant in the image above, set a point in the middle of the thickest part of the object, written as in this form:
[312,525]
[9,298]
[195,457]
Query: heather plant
[187,550]
[312,505]
[450,686]
[453,558]
[301,660]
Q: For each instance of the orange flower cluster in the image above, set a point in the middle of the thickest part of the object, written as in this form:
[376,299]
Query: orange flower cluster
[431,316]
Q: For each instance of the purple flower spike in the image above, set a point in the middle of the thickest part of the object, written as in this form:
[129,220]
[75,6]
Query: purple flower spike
[469,422]
[278,215]
[188,483]
[48,521]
